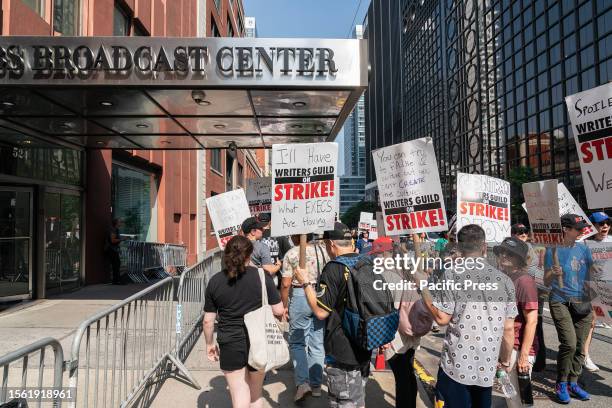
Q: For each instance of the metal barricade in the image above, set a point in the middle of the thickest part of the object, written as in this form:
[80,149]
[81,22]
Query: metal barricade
[141,260]
[190,306]
[25,357]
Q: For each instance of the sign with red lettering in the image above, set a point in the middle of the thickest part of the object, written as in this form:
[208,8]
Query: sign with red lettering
[542,204]
[259,195]
[590,113]
[409,186]
[227,212]
[365,221]
[304,191]
[484,201]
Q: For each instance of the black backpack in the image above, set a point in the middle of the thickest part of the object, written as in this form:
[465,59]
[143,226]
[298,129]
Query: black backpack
[370,318]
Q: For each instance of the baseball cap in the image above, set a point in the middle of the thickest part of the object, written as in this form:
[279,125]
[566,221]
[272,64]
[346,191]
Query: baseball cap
[573,221]
[265,217]
[598,217]
[340,231]
[518,228]
[250,224]
[514,246]
[381,244]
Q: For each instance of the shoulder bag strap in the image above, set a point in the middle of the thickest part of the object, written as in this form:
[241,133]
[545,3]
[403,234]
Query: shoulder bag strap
[264,291]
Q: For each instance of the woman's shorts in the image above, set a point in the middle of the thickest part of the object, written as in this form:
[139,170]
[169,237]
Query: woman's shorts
[234,355]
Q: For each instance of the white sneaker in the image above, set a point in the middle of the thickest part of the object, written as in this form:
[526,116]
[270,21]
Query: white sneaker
[316,391]
[302,392]
[590,365]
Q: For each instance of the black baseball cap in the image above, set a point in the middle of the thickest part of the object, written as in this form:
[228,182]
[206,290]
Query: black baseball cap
[265,217]
[573,221]
[514,246]
[250,224]
[519,228]
[340,231]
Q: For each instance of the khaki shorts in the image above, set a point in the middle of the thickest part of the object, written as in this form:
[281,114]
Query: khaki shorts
[346,389]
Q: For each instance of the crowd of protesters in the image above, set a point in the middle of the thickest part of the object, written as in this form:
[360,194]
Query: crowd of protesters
[487,331]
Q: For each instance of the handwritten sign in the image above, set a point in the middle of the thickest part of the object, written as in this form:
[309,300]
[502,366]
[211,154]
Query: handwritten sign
[602,279]
[542,204]
[484,201]
[259,195]
[409,185]
[365,221]
[568,205]
[590,113]
[227,212]
[304,194]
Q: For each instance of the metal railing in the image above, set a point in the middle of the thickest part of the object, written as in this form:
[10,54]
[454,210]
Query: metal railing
[144,260]
[119,351]
[26,357]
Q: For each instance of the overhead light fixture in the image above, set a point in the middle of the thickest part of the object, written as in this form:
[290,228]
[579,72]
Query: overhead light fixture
[296,126]
[66,125]
[142,125]
[106,104]
[219,126]
[26,141]
[8,104]
[199,97]
[99,143]
[299,104]
[166,142]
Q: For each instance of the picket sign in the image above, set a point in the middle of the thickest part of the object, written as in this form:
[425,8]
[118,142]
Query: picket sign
[227,212]
[589,113]
[409,185]
[259,194]
[484,201]
[542,204]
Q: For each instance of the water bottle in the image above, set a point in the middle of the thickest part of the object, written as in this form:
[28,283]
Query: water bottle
[524,382]
[506,385]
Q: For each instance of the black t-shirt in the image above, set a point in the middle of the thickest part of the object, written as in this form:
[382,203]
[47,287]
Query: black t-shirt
[331,296]
[273,244]
[232,299]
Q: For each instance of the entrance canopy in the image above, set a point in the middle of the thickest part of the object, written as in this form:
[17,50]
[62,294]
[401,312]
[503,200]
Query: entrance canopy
[176,93]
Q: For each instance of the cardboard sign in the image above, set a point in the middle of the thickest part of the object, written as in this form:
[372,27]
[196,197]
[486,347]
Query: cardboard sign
[602,279]
[259,195]
[484,201]
[409,186]
[227,212]
[365,222]
[590,113]
[304,191]
[568,205]
[542,204]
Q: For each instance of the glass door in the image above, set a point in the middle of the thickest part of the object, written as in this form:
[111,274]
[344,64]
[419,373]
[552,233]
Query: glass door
[15,243]
[62,240]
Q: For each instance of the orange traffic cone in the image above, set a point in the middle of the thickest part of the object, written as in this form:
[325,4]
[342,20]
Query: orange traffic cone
[380,363]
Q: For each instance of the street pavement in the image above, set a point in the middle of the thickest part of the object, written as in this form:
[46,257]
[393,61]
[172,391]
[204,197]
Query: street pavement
[60,316]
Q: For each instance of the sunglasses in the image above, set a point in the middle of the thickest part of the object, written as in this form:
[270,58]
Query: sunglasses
[522,231]
[601,224]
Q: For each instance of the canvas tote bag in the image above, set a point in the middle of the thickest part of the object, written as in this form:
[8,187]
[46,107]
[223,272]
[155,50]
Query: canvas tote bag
[268,348]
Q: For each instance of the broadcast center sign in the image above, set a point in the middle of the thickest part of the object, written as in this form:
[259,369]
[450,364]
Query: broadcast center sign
[182,61]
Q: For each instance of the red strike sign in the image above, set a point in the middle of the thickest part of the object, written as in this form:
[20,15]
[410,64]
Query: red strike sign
[483,210]
[304,191]
[599,149]
[547,238]
[413,220]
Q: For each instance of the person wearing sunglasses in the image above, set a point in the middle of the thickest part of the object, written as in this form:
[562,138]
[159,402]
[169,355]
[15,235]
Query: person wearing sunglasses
[520,231]
[602,222]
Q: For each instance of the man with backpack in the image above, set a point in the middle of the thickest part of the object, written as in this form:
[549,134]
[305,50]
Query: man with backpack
[348,352]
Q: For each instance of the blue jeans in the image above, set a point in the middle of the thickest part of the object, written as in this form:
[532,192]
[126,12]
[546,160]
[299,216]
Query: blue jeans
[451,394]
[305,341]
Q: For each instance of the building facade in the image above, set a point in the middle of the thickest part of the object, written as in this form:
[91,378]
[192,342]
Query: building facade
[65,199]
[486,80]
[352,191]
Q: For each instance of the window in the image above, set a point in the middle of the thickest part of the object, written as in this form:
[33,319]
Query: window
[121,22]
[215,160]
[66,16]
[37,5]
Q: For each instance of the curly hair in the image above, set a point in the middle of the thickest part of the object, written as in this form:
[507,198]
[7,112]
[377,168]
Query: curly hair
[235,255]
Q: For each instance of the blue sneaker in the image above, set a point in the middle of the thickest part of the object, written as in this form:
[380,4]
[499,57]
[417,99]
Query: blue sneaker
[578,392]
[561,392]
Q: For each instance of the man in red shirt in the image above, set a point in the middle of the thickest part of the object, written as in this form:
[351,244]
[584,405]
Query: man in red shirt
[512,256]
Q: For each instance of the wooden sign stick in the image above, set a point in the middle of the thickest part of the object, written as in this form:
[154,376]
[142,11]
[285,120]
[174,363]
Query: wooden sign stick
[302,251]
